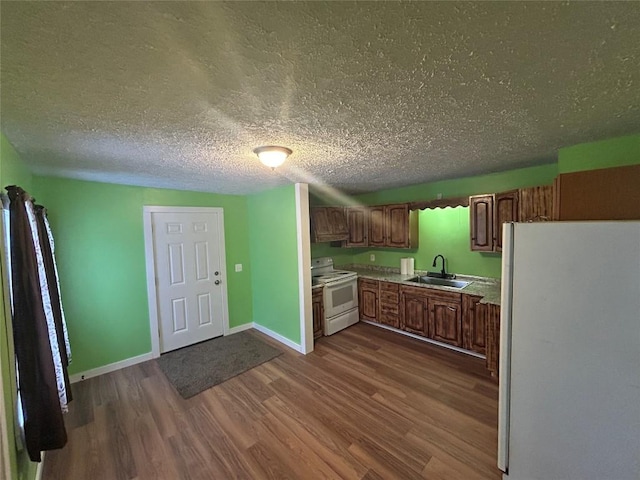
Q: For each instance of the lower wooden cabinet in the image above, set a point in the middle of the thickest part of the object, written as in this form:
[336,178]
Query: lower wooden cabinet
[389,304]
[414,310]
[368,299]
[432,313]
[446,321]
[493,337]
[448,317]
[474,325]
[317,302]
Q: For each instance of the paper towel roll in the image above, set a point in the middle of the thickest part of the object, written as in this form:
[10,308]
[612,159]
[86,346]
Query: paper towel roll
[407,266]
[410,265]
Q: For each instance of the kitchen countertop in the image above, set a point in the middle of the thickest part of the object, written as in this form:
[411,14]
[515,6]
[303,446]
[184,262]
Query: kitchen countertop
[487,288]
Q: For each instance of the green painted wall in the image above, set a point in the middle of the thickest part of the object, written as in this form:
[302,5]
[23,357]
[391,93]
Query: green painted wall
[614,152]
[13,171]
[100,252]
[274,261]
[443,231]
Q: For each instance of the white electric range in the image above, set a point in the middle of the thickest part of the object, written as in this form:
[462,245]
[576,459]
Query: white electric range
[340,294]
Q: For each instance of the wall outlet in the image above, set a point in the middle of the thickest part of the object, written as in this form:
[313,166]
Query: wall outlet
[238,267]
[372,257]
[439,196]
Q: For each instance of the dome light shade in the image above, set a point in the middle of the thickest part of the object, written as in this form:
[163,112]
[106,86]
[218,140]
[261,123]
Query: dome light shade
[272,156]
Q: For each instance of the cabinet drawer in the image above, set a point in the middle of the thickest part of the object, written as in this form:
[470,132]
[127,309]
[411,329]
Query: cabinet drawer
[365,282]
[393,320]
[389,308]
[389,287]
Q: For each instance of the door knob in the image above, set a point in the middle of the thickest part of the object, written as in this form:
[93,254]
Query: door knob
[217,282]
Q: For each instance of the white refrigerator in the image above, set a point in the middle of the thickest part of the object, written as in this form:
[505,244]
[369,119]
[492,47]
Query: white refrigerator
[569,396]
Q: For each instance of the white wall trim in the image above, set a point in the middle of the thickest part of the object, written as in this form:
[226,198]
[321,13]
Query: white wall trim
[276,336]
[304,267]
[147,212]
[112,367]
[240,328]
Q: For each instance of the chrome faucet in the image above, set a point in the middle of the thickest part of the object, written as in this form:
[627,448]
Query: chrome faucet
[443,272]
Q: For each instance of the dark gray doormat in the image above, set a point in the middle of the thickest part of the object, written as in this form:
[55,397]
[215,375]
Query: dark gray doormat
[198,367]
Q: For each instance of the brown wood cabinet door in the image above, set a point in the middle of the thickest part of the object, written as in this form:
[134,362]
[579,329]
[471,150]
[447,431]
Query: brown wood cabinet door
[535,204]
[337,221]
[474,330]
[505,210]
[603,194]
[445,322]
[368,299]
[318,312]
[397,226]
[481,217]
[414,313]
[376,226]
[358,225]
[493,338]
[328,224]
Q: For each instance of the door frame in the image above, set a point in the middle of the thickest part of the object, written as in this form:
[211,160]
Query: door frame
[154,324]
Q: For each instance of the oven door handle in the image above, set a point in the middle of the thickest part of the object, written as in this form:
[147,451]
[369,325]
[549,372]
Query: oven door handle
[340,282]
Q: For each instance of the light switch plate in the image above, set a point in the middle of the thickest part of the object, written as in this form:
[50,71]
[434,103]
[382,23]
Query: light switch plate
[372,258]
[238,267]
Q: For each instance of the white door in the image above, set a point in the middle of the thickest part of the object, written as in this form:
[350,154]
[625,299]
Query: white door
[188,252]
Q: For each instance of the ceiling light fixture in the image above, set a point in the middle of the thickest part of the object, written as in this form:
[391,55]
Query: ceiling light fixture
[272,156]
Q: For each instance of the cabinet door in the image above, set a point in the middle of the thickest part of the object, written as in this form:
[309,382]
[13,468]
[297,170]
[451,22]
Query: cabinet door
[481,217]
[493,337]
[318,312]
[397,226]
[328,224]
[506,210]
[603,194]
[358,225]
[414,312]
[376,226]
[474,329]
[445,322]
[368,299]
[535,204]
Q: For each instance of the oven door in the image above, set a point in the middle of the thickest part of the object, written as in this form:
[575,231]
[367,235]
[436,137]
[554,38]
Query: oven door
[340,296]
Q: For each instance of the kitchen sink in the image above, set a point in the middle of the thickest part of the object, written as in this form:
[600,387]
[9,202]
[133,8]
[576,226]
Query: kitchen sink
[443,282]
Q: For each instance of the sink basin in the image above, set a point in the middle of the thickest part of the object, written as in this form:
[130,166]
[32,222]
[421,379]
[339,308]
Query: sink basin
[443,282]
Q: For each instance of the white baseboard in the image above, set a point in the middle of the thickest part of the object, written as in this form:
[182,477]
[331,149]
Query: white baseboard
[279,338]
[423,339]
[112,367]
[240,328]
[40,466]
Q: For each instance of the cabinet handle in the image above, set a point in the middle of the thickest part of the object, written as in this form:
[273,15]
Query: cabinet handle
[451,308]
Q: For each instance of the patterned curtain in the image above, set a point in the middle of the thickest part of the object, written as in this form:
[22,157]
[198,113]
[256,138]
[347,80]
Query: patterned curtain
[39,330]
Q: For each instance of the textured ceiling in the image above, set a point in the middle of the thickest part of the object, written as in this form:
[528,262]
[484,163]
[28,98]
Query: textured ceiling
[367,95]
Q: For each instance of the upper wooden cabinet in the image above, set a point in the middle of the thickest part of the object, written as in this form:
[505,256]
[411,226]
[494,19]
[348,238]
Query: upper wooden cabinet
[358,226]
[393,226]
[535,204]
[604,194]
[328,224]
[481,216]
[505,210]
[489,212]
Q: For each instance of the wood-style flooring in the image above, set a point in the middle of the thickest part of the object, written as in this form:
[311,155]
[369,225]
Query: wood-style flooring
[366,404]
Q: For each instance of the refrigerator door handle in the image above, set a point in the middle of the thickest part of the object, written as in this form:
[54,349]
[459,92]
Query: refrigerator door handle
[505,346]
